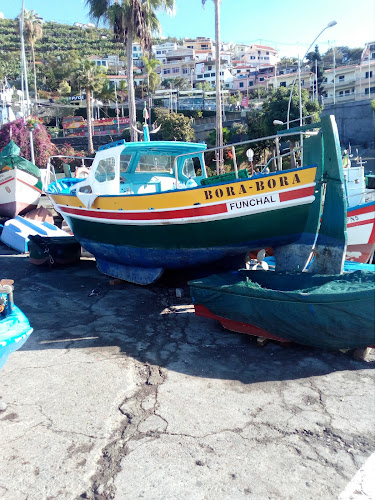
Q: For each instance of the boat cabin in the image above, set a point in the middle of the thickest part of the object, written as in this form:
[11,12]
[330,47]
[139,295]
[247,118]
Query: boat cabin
[141,168]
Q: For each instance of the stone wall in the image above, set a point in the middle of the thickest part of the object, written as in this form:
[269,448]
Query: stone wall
[355,121]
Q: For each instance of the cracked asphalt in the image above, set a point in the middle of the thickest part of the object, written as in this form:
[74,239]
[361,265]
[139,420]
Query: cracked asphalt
[121,392]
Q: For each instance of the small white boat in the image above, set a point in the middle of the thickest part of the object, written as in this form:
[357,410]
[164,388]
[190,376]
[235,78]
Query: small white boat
[361,215]
[16,232]
[20,183]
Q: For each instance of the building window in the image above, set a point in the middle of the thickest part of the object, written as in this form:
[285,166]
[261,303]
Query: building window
[158,51]
[184,71]
[341,78]
[199,76]
[252,57]
[347,91]
[166,71]
[251,84]
[213,74]
[176,70]
[190,47]
[207,75]
[367,74]
[372,90]
[261,79]
[267,54]
[209,68]
[241,84]
[282,84]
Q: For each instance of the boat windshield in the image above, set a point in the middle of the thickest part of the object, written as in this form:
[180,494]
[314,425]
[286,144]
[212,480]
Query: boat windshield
[155,163]
[192,167]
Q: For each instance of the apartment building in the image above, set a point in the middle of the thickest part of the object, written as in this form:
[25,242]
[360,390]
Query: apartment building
[179,63]
[199,43]
[159,51]
[307,80]
[205,72]
[248,76]
[256,54]
[350,83]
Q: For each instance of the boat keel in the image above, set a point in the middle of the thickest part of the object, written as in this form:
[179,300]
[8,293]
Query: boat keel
[133,274]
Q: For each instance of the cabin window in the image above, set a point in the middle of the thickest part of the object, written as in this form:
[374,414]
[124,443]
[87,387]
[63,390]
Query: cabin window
[124,163]
[192,167]
[155,163]
[105,171]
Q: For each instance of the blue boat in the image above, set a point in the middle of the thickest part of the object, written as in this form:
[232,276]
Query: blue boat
[15,328]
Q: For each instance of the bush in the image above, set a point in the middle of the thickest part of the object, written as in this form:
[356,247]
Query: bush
[20,133]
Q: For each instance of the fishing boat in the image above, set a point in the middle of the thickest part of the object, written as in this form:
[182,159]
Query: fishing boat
[326,311]
[360,195]
[15,328]
[20,183]
[150,206]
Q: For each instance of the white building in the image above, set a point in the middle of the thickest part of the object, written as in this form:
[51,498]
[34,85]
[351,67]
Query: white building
[350,83]
[205,72]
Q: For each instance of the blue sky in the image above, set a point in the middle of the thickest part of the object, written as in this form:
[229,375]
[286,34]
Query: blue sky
[288,25]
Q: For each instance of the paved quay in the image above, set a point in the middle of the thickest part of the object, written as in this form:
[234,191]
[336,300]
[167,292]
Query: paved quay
[121,392]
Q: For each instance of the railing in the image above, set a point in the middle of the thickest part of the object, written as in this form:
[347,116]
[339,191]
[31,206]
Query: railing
[243,143]
[50,170]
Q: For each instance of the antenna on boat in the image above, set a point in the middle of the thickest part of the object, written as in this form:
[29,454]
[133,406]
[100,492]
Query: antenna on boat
[146,132]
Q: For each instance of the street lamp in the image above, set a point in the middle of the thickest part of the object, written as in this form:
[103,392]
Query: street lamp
[329,25]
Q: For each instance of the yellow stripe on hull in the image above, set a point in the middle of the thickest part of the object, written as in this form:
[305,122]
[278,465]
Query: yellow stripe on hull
[204,195]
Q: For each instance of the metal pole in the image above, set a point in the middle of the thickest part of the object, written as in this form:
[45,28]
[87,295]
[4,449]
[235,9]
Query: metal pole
[235,161]
[300,107]
[329,25]
[117,110]
[24,70]
[334,75]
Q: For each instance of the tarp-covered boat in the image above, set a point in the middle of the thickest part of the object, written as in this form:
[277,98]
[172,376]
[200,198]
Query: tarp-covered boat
[329,311]
[20,183]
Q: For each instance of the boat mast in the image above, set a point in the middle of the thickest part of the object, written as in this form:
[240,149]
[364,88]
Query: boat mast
[24,80]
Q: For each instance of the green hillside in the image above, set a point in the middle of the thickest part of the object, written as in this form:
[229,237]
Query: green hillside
[58,38]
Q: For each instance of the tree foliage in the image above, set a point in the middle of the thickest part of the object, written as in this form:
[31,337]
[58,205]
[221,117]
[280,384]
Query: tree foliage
[276,108]
[20,133]
[343,56]
[174,126]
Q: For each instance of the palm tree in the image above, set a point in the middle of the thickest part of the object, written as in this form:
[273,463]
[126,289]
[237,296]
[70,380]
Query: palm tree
[219,116]
[33,31]
[153,79]
[90,77]
[131,20]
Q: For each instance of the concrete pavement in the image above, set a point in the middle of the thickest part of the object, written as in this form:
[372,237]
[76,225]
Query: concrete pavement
[122,392]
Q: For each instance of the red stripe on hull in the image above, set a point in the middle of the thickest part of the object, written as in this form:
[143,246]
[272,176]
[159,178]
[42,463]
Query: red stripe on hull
[236,326]
[29,185]
[360,223]
[8,180]
[151,215]
[297,193]
[176,213]
[363,210]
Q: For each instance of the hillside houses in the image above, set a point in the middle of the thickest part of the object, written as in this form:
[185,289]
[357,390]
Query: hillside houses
[244,67]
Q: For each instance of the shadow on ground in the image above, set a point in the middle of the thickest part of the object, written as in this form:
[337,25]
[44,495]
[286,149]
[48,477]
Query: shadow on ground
[78,307]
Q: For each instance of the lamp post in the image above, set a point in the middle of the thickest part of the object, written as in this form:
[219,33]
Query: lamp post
[329,25]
